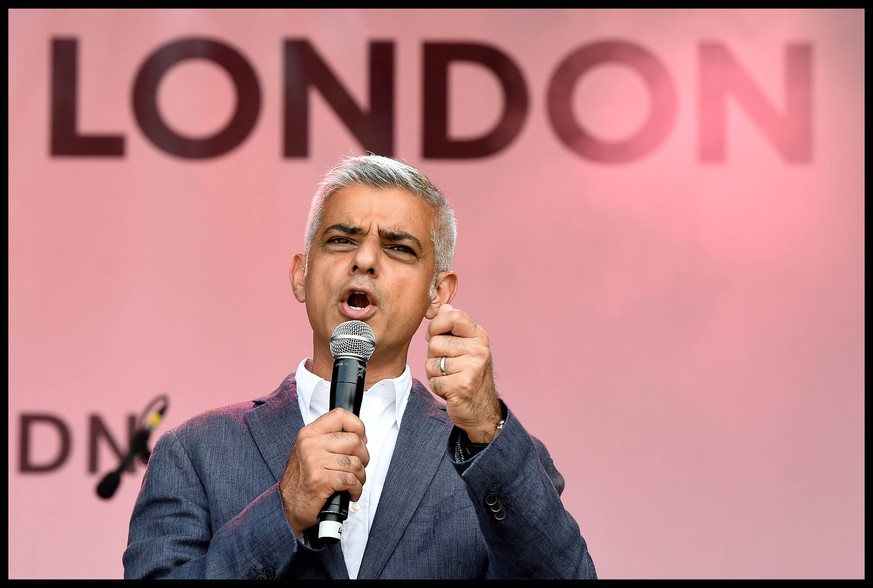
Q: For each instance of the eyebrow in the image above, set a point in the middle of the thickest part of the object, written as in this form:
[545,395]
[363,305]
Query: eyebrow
[385,234]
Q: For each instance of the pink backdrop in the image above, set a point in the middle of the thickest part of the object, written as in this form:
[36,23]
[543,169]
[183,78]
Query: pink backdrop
[684,331]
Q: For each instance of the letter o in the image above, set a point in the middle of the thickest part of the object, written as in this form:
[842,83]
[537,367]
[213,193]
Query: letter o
[653,131]
[145,104]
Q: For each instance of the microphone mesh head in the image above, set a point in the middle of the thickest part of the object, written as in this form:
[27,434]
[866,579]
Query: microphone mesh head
[353,338]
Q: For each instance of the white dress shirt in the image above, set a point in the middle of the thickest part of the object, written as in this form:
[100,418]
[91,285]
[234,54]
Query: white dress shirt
[381,410]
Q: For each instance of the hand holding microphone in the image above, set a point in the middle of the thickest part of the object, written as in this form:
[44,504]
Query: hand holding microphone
[352,343]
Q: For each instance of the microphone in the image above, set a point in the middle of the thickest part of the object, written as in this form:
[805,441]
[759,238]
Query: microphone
[351,344]
[138,447]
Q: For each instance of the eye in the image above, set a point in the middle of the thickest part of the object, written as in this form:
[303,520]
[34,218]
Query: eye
[402,253]
[339,243]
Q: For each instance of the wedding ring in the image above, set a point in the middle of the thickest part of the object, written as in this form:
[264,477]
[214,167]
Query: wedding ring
[443,365]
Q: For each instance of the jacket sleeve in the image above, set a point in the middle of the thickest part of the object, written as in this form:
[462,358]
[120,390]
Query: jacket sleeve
[171,532]
[517,492]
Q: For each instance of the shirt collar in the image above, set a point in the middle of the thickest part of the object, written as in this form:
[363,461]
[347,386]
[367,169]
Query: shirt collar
[311,386]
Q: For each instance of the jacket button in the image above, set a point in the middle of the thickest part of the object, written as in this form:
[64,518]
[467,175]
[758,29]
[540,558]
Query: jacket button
[495,506]
[269,573]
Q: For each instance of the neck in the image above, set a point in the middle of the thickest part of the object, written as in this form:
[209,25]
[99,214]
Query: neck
[378,369]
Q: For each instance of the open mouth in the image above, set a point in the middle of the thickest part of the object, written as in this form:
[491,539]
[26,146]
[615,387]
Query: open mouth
[358,301]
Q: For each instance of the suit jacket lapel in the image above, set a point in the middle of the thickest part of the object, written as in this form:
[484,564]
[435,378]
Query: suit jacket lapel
[274,423]
[421,444]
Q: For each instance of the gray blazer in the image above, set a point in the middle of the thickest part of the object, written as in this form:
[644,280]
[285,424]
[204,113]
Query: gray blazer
[209,505]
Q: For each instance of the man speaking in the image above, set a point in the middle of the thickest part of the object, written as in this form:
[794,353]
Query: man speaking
[446,485]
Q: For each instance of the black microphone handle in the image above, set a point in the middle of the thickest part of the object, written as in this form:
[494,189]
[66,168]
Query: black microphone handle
[138,445]
[109,484]
[139,442]
[346,391]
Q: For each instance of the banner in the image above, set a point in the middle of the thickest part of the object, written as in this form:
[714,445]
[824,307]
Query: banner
[661,229]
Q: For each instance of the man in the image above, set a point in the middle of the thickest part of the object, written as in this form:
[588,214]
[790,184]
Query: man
[441,489]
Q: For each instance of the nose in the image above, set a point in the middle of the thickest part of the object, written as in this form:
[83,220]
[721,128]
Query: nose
[366,258]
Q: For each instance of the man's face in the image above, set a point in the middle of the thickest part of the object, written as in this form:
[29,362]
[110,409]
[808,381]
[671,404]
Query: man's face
[371,259]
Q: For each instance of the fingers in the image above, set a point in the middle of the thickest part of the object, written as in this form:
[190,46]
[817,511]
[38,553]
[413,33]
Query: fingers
[451,321]
[337,443]
[459,368]
[330,455]
[453,334]
[339,420]
[456,344]
[448,365]
[459,353]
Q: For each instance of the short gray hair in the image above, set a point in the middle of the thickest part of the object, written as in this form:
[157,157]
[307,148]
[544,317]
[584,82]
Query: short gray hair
[382,173]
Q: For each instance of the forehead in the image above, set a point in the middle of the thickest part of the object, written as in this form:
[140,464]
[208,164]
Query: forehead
[389,209]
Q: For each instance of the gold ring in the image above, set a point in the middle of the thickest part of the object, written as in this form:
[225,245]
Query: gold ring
[443,365]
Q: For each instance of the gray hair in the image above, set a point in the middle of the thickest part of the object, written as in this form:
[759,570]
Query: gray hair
[378,172]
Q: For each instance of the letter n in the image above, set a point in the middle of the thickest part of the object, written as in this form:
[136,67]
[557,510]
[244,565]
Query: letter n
[721,75]
[304,68]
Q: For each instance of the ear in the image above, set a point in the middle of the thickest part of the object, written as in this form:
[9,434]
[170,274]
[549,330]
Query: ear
[444,291]
[297,274]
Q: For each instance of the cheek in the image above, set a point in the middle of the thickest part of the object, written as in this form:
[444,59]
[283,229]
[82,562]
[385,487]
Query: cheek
[316,290]
[414,302]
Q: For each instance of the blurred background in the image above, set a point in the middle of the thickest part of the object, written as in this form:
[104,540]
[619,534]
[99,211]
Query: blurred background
[661,228]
